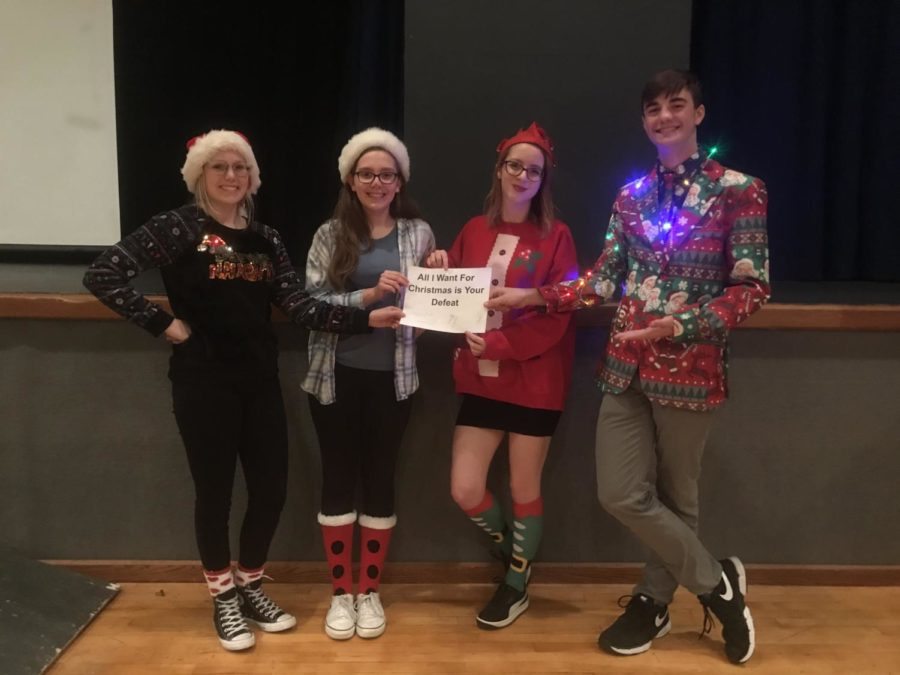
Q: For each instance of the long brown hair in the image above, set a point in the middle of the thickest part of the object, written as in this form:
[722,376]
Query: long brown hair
[541,210]
[352,227]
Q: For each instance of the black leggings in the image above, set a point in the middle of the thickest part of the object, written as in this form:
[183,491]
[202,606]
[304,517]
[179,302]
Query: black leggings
[220,422]
[359,436]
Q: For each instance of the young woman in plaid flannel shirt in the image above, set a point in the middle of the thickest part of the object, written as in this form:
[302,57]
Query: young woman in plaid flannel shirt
[359,388]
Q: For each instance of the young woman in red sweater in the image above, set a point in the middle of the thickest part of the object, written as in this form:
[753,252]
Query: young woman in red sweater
[514,377]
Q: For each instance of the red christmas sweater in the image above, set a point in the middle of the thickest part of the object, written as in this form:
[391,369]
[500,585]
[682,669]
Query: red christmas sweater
[528,357]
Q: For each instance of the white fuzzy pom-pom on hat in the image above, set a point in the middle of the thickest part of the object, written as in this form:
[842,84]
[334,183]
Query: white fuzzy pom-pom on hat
[202,148]
[373,137]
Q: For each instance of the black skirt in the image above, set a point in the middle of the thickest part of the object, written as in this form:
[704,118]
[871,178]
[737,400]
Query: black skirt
[486,413]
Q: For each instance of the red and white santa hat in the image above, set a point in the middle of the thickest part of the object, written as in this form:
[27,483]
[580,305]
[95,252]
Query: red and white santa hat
[200,149]
[534,135]
[373,137]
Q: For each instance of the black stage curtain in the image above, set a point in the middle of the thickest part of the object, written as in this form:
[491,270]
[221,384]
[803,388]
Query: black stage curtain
[806,95]
[296,78]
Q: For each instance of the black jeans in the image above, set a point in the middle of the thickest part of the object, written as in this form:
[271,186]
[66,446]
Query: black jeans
[359,437]
[220,422]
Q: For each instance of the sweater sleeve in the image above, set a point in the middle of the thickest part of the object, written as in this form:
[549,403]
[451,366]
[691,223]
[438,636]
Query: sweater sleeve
[535,332]
[303,308]
[747,256]
[157,243]
[600,281]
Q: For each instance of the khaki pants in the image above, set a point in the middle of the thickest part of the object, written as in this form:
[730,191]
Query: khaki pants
[648,466]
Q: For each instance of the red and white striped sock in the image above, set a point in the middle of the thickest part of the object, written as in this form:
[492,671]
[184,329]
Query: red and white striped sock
[244,577]
[219,582]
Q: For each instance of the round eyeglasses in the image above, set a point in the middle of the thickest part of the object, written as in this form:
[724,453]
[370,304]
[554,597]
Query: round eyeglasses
[239,170]
[515,168]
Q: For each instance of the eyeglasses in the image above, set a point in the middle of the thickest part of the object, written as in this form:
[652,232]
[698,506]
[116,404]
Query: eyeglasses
[514,168]
[385,177]
[239,170]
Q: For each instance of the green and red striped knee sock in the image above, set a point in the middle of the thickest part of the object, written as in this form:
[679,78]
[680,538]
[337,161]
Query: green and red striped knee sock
[528,525]
[488,516]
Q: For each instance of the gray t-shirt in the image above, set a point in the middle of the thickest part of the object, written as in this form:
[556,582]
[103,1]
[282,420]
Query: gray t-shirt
[375,350]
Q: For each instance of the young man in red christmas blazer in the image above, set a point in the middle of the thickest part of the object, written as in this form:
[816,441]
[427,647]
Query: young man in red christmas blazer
[688,243]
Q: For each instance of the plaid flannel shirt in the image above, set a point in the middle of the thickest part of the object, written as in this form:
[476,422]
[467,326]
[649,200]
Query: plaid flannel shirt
[415,241]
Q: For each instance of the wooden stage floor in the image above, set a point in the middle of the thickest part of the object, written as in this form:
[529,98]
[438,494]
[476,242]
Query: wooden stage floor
[167,628]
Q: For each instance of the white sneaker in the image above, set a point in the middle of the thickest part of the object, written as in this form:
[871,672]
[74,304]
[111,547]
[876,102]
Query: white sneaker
[370,622]
[340,622]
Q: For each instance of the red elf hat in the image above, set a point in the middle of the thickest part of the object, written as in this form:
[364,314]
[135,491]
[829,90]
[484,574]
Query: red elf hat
[534,135]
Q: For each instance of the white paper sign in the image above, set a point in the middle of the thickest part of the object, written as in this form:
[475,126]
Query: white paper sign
[451,300]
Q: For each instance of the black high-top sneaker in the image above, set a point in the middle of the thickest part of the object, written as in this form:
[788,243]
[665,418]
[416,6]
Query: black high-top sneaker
[259,608]
[234,635]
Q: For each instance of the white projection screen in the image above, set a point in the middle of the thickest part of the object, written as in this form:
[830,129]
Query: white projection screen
[58,170]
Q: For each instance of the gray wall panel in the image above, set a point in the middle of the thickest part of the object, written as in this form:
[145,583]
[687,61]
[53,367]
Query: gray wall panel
[801,466]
